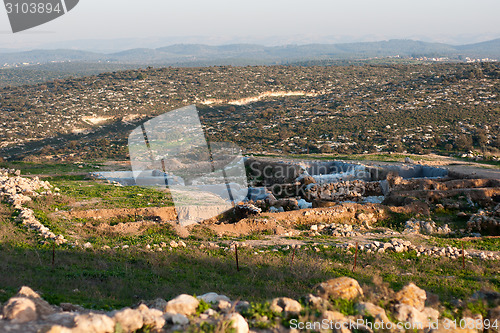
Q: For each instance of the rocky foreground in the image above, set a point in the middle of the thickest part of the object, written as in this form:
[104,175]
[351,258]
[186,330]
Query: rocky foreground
[338,305]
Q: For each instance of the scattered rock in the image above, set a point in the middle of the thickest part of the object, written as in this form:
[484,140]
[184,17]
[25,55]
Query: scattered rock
[286,305]
[315,301]
[238,323]
[306,180]
[245,210]
[414,226]
[43,308]
[18,191]
[334,316]
[151,317]
[407,313]
[159,304]
[176,318]
[94,323]
[351,190]
[129,320]
[242,306]
[411,295]
[340,230]
[213,298]
[28,313]
[20,310]
[183,304]
[224,306]
[342,287]
[372,310]
[68,307]
[485,222]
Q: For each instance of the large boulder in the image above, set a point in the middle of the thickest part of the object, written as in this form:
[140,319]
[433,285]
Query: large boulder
[411,295]
[152,317]
[238,323]
[20,310]
[342,287]
[43,308]
[93,323]
[182,304]
[129,320]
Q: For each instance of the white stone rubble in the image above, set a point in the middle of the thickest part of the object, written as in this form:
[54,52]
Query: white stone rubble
[17,191]
[414,226]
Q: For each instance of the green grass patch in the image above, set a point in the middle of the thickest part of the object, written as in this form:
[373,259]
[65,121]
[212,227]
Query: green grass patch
[31,168]
[260,315]
[346,307]
[483,244]
[113,196]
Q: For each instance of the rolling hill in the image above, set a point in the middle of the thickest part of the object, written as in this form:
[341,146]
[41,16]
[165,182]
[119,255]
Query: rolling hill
[243,54]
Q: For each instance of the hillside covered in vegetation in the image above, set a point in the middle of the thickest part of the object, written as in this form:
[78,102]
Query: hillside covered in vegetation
[274,109]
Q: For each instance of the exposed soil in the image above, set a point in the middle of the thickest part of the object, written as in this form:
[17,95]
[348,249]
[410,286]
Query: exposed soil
[85,203]
[150,213]
[128,229]
[247,227]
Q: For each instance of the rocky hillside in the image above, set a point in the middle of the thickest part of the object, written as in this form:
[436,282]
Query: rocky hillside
[280,109]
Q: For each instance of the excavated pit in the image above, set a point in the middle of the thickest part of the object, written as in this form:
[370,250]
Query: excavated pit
[282,187]
[322,183]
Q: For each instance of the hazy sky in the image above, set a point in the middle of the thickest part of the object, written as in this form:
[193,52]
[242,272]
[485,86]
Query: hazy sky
[265,21]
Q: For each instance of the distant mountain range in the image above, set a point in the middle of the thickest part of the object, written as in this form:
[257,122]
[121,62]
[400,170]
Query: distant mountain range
[250,54]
